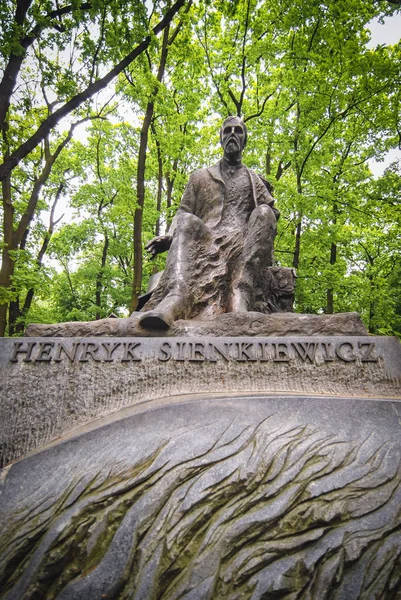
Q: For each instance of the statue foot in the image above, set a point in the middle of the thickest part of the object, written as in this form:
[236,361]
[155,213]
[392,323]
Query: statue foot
[168,311]
[155,319]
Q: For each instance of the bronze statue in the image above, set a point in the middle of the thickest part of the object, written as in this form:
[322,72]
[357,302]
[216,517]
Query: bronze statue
[220,241]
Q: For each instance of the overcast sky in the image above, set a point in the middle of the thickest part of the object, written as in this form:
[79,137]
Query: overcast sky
[388,34]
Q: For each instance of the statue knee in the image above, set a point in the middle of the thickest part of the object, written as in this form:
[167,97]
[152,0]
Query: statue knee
[187,221]
[189,225]
[263,214]
[264,211]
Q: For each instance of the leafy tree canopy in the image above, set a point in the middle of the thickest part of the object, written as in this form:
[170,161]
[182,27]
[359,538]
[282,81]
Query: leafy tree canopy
[319,105]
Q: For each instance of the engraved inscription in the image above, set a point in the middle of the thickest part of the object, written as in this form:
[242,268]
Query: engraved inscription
[196,351]
[81,352]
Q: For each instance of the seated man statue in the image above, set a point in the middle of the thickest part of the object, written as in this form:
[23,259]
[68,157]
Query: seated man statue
[220,240]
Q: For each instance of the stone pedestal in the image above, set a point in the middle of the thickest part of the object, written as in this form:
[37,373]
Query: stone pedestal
[200,467]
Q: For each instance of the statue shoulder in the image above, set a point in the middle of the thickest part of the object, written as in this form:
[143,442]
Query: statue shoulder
[193,189]
[199,177]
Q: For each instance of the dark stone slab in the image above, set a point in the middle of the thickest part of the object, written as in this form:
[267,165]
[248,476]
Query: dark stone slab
[232,324]
[227,497]
[49,386]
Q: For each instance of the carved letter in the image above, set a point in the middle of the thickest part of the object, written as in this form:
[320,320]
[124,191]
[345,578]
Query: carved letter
[197,352]
[89,348]
[181,348]
[110,347]
[165,351]
[129,351]
[210,356]
[281,352]
[349,356]
[44,352]
[305,350]
[368,348]
[245,352]
[224,352]
[328,351]
[18,350]
[264,357]
[62,347]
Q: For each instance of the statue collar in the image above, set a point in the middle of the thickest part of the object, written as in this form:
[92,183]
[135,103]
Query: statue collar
[216,172]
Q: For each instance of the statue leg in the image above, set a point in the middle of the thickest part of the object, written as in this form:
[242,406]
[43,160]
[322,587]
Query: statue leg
[177,281]
[256,255]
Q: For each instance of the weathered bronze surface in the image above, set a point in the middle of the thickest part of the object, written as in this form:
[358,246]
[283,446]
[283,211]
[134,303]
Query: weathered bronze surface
[234,324]
[220,244]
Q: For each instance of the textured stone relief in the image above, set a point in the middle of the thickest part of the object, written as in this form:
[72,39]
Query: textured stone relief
[50,387]
[224,507]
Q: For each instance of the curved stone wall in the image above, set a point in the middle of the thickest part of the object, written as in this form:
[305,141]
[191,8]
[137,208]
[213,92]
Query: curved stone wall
[255,496]
[50,386]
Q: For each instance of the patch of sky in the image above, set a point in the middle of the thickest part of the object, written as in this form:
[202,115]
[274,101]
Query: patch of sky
[386,33]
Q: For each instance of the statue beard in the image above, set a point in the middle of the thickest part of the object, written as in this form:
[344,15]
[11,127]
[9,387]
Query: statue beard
[232,146]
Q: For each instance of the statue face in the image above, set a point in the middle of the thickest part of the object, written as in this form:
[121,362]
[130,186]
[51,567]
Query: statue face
[233,136]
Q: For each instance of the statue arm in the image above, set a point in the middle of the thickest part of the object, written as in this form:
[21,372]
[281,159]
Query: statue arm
[264,196]
[263,190]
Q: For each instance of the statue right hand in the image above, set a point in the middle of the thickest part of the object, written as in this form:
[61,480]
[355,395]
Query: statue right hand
[159,244]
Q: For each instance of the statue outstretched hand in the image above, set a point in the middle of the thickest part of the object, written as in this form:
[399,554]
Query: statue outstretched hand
[159,244]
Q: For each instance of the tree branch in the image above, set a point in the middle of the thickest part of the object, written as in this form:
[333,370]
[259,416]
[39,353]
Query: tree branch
[179,26]
[340,115]
[243,65]
[49,123]
[8,82]
[27,216]
[261,110]
[216,85]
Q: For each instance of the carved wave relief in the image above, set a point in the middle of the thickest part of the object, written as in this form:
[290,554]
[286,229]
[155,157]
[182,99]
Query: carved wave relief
[273,509]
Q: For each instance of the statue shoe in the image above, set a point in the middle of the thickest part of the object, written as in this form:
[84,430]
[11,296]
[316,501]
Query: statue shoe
[163,316]
[155,319]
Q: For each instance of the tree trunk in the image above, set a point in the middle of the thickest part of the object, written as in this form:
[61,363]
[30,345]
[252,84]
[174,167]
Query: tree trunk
[330,291]
[333,260]
[372,302]
[8,265]
[17,315]
[140,188]
[298,229]
[14,314]
[159,190]
[159,186]
[297,247]
[170,179]
[138,216]
[12,68]
[268,162]
[17,238]
[99,277]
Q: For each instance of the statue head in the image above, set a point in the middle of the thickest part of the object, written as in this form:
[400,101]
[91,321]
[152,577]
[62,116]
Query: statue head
[233,135]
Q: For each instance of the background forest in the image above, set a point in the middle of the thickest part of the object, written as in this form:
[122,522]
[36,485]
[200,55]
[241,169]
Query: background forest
[107,106]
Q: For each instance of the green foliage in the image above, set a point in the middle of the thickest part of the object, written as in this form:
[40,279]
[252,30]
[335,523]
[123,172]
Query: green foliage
[319,105]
